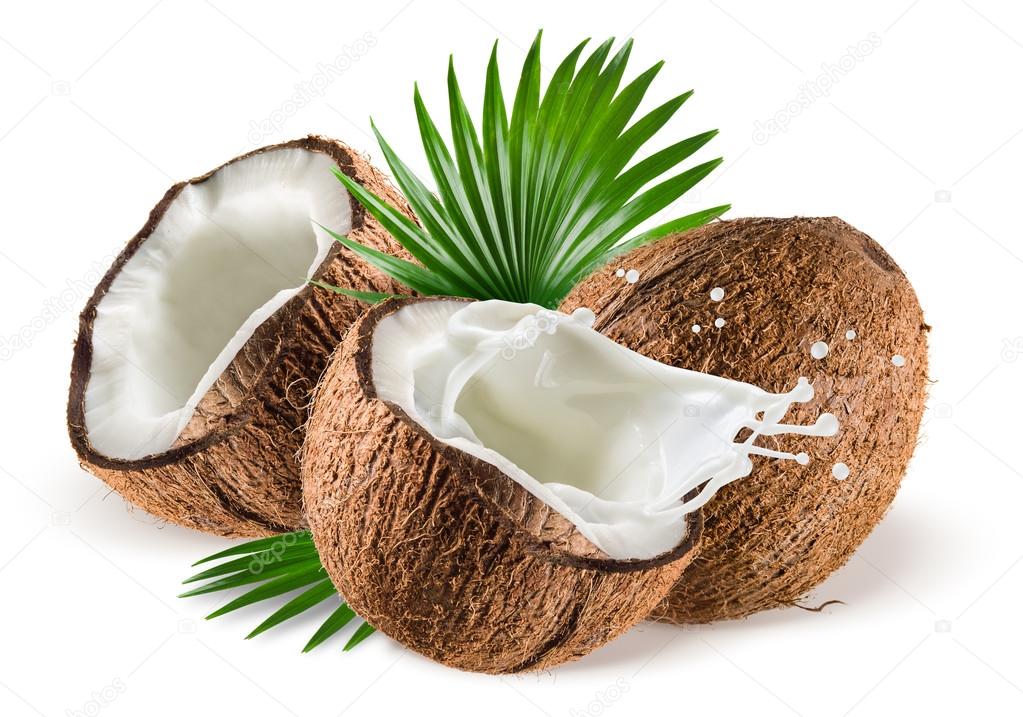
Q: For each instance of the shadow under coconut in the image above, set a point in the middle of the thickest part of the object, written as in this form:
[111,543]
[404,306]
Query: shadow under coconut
[861,583]
[905,539]
[900,538]
[637,648]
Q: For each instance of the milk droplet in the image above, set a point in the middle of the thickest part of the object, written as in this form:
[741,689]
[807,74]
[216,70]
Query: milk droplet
[804,390]
[840,471]
[802,459]
[850,334]
[719,322]
[819,350]
[827,423]
[696,328]
[717,293]
[620,273]
[584,316]
[632,276]
[899,360]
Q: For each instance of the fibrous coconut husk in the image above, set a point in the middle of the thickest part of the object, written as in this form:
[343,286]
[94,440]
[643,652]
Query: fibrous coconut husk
[446,554]
[234,469]
[788,283]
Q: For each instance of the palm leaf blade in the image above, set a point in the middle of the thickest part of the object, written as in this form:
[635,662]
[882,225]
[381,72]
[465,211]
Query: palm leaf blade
[272,588]
[466,227]
[469,158]
[675,226]
[498,168]
[254,563]
[331,626]
[413,276]
[247,577]
[296,606]
[364,630]
[369,297]
[254,546]
[435,220]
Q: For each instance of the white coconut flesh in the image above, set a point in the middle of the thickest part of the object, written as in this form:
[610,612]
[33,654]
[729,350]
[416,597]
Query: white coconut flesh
[226,255]
[608,438]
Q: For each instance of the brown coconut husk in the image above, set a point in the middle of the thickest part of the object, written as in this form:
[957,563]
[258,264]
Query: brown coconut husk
[446,554]
[234,470]
[771,537]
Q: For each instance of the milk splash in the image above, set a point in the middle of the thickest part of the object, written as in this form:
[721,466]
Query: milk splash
[612,440]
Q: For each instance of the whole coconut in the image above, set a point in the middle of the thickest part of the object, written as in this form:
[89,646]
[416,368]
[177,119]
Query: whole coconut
[787,284]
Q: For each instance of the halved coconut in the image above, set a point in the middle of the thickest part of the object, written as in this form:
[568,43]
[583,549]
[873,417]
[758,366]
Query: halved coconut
[445,504]
[198,352]
[807,297]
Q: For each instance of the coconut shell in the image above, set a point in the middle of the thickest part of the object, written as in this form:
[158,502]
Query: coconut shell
[788,283]
[234,470]
[446,554]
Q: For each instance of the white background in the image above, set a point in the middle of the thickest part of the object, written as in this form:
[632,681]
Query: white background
[917,143]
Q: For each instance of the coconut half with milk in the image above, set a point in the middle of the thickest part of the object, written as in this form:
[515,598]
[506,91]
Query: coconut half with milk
[501,488]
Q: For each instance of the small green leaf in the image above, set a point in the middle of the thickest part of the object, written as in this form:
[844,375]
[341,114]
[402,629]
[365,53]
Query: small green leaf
[296,606]
[284,563]
[364,631]
[331,626]
[272,588]
[369,297]
[413,276]
[446,240]
[604,230]
[254,563]
[288,566]
[260,544]
[675,226]
[690,221]
[472,173]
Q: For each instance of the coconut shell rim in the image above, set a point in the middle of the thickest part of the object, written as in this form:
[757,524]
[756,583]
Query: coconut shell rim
[236,420]
[470,464]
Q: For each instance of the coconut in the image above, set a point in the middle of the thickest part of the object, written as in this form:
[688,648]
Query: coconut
[199,349]
[480,518]
[809,297]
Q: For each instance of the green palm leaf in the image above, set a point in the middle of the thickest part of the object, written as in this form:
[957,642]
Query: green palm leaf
[296,606]
[331,626]
[528,205]
[364,630]
[282,564]
[369,297]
